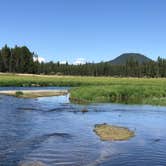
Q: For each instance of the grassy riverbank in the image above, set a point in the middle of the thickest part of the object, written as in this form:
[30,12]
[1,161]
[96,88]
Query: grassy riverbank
[128,94]
[98,89]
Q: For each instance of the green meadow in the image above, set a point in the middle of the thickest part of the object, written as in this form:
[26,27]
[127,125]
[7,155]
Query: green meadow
[98,89]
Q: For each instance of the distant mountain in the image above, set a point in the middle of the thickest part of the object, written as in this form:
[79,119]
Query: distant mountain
[122,59]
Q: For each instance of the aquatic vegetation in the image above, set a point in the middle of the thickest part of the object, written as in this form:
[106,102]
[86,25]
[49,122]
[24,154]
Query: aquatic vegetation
[112,133]
[19,93]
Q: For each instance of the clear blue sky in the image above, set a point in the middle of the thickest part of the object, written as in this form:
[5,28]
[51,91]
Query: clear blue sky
[92,29]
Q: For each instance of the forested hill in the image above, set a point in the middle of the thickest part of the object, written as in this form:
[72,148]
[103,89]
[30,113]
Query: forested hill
[21,60]
[122,59]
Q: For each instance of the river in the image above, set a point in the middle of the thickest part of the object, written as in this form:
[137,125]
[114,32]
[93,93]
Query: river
[56,132]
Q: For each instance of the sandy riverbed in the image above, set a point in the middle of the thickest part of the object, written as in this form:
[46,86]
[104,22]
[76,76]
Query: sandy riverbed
[34,93]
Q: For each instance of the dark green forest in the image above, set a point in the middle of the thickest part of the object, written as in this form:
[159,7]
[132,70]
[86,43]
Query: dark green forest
[21,60]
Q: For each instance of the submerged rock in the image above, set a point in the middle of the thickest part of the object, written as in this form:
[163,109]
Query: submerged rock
[112,133]
[157,140]
[27,109]
[84,110]
[63,135]
[32,163]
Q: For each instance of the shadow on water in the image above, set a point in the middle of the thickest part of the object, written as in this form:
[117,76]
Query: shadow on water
[28,109]
[60,108]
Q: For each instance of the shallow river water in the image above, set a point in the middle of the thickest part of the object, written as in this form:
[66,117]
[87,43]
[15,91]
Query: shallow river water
[56,132]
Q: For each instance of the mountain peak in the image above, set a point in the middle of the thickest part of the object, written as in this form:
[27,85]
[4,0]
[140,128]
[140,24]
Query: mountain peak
[123,58]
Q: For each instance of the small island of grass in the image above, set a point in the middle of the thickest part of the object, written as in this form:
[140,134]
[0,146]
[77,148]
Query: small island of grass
[112,133]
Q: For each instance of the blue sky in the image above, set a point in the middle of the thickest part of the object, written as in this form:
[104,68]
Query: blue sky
[96,30]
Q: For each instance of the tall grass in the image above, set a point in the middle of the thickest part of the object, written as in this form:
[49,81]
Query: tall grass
[128,94]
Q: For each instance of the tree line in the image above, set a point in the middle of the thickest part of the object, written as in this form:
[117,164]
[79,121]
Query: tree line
[22,60]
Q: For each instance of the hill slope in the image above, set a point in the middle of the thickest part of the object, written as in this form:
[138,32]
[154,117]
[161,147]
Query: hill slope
[122,59]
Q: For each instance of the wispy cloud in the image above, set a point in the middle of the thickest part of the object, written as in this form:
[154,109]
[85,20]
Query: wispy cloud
[63,62]
[39,59]
[80,61]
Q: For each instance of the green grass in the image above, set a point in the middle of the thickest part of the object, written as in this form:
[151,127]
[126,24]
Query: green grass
[15,80]
[19,93]
[127,94]
[98,89]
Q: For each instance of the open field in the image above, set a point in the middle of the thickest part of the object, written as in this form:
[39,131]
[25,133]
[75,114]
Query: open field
[98,89]
[50,80]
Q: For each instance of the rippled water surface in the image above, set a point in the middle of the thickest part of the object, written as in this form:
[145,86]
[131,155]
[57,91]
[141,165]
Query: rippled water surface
[56,132]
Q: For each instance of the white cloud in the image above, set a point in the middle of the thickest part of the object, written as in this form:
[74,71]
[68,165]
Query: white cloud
[80,61]
[63,62]
[40,59]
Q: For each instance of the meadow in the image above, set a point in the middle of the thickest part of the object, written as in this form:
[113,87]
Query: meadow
[98,89]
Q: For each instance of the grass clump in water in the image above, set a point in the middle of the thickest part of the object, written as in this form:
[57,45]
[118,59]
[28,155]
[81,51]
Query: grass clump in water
[19,93]
[112,133]
[84,110]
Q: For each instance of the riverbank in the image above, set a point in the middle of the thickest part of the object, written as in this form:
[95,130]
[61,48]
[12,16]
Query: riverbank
[125,94]
[97,89]
[34,93]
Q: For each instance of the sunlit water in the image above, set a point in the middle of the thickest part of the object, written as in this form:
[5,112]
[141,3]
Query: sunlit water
[56,132]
